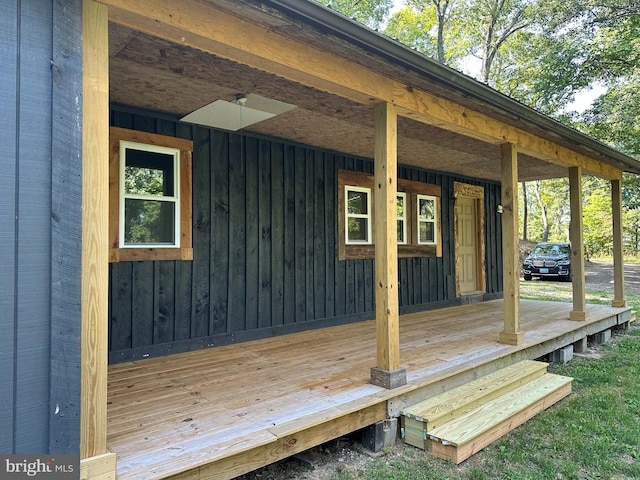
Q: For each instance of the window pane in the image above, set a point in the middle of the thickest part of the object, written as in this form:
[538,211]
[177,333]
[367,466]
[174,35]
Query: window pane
[148,173]
[357,202]
[149,221]
[426,233]
[400,231]
[358,230]
[427,209]
[400,206]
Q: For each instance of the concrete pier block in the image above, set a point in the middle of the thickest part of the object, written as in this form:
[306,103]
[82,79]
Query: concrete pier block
[602,337]
[581,345]
[562,355]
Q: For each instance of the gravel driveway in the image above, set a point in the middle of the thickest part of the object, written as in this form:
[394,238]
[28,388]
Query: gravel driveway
[599,276]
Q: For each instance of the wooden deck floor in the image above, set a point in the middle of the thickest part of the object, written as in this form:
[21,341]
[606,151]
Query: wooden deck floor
[224,411]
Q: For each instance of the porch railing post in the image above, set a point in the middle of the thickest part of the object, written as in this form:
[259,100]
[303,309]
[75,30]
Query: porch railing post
[579,311]
[96,460]
[510,252]
[387,372]
[619,299]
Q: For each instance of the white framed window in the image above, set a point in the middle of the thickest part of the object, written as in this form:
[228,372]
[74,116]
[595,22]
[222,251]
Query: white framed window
[149,196]
[401,211]
[150,201]
[357,215]
[426,221]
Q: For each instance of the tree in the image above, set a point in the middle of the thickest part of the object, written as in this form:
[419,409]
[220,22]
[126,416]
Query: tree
[494,21]
[597,227]
[615,116]
[433,27]
[372,13]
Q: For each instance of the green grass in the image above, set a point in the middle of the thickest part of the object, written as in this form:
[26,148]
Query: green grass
[562,292]
[592,434]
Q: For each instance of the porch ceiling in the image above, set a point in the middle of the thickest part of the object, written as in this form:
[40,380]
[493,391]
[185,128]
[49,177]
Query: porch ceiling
[155,74]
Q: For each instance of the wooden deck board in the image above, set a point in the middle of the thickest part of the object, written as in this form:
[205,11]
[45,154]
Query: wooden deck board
[182,412]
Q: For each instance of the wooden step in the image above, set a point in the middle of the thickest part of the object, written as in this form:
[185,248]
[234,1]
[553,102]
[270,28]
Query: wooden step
[470,433]
[456,424]
[420,418]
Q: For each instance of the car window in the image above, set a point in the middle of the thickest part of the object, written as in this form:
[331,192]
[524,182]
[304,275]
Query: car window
[551,250]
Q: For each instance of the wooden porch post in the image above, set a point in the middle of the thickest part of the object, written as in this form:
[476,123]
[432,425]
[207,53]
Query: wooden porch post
[619,299]
[579,311]
[96,461]
[387,373]
[511,334]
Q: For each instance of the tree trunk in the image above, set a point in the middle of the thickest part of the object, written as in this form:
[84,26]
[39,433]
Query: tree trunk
[525,213]
[543,210]
[442,11]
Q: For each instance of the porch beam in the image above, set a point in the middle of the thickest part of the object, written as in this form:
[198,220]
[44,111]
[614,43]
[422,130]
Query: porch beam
[202,26]
[579,311]
[511,335]
[619,299]
[96,461]
[387,372]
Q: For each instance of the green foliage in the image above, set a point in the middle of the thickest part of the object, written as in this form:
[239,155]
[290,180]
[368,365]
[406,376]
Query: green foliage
[615,116]
[415,28]
[368,12]
[546,199]
[433,27]
[597,225]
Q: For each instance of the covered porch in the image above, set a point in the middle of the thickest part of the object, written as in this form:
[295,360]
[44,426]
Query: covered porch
[221,412]
[218,413]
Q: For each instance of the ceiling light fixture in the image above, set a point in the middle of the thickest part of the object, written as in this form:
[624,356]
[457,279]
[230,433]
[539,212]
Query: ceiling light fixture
[245,110]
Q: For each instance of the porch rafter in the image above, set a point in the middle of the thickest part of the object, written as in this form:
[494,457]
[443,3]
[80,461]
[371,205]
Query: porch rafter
[204,27]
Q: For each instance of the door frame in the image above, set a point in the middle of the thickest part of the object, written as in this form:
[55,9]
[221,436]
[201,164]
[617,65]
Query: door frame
[475,192]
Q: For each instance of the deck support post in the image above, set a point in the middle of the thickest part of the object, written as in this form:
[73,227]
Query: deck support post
[619,299]
[387,372]
[579,311]
[511,334]
[96,461]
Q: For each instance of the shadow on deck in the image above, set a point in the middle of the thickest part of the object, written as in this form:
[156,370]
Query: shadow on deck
[221,412]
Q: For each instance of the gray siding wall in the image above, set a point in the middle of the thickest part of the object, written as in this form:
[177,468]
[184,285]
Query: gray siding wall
[265,249]
[40,80]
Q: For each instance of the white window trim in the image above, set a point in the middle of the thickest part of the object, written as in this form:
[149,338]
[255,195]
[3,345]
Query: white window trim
[367,216]
[434,221]
[403,218]
[175,199]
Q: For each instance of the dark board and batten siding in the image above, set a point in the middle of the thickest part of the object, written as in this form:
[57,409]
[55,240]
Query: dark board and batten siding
[40,219]
[265,250]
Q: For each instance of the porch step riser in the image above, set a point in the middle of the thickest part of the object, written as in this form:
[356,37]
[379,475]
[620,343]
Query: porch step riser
[459,453]
[456,424]
[448,406]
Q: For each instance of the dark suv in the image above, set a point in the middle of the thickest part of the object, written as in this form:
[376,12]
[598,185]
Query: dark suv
[548,260]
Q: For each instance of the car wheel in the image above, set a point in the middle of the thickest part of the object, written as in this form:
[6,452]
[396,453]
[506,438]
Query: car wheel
[527,277]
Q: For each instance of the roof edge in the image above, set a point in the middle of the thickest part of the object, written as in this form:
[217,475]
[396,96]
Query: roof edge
[338,24]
